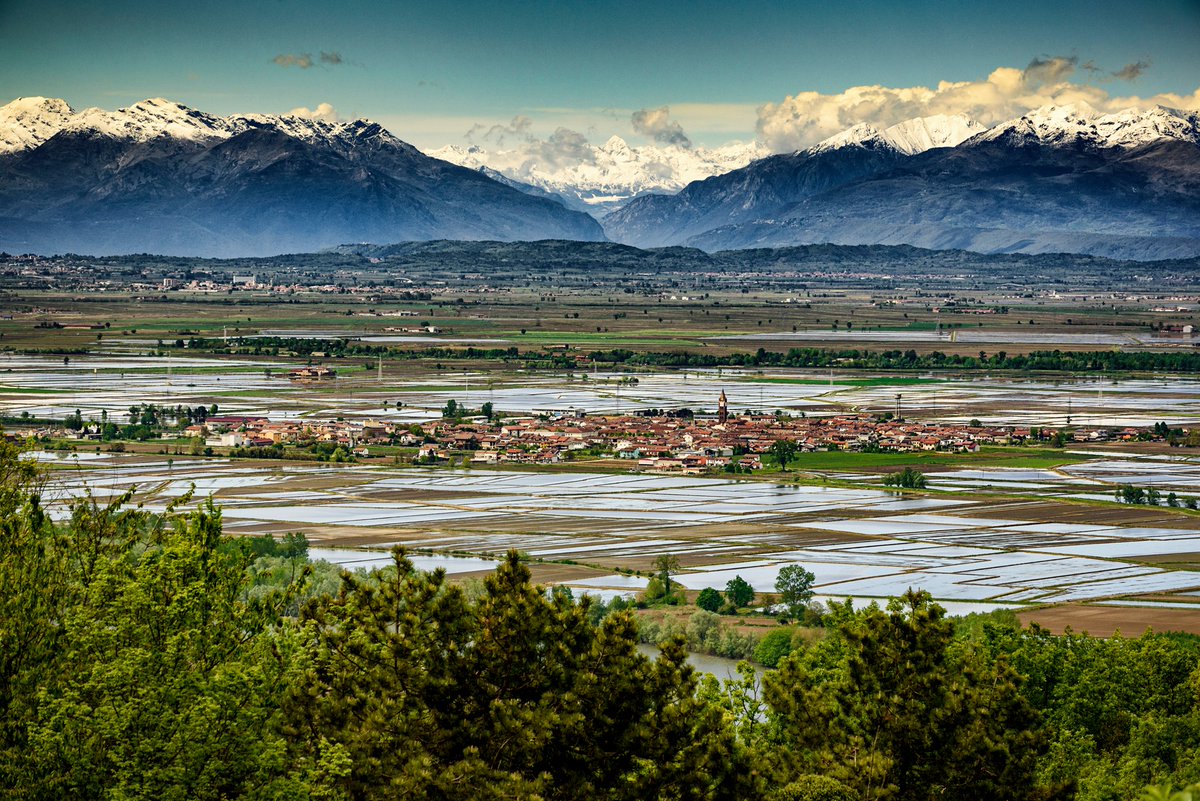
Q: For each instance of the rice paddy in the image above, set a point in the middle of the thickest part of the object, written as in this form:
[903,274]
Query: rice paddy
[860,542]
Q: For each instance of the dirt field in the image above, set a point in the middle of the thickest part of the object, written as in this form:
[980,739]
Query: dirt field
[1104,621]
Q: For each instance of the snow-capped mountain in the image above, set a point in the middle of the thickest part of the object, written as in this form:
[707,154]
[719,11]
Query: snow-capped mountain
[602,177]
[161,177]
[28,121]
[1124,184]
[909,137]
[1080,124]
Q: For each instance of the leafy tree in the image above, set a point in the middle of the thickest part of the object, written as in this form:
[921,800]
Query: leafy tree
[487,410]
[35,588]
[783,450]
[907,478]
[167,681]
[450,410]
[1167,792]
[738,592]
[666,565]
[795,587]
[1130,494]
[709,600]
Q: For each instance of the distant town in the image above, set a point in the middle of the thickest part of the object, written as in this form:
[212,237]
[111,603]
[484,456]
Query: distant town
[668,441]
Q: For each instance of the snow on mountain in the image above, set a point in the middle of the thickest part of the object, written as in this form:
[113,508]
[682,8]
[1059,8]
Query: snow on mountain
[909,137]
[161,177]
[1080,123]
[601,177]
[1131,127]
[151,119]
[28,121]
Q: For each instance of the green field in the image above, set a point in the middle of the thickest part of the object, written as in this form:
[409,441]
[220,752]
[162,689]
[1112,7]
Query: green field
[1031,458]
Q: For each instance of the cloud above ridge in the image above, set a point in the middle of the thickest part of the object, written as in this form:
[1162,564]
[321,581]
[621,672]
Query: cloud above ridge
[1131,72]
[806,118]
[521,151]
[324,112]
[656,124]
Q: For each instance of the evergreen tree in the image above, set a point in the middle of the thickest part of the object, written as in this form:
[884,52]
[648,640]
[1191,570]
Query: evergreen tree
[415,692]
[891,708]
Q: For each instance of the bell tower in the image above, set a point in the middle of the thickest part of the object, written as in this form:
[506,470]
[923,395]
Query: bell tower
[722,408]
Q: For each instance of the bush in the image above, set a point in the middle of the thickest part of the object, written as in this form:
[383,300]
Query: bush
[813,788]
[773,647]
[709,600]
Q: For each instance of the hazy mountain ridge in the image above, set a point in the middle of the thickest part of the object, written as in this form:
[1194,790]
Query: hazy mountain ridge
[1126,185]
[161,177]
[899,260]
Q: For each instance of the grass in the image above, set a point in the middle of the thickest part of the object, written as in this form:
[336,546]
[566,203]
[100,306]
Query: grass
[1031,458]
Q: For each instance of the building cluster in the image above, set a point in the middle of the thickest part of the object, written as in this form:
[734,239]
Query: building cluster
[695,445]
[677,442]
[355,436]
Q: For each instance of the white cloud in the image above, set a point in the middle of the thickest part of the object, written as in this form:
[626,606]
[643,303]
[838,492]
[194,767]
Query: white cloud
[806,118]
[324,112]
[520,151]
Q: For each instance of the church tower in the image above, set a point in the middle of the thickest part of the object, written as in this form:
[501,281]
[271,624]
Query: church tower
[722,408]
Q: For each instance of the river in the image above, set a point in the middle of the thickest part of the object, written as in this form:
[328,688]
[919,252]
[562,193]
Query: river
[719,666]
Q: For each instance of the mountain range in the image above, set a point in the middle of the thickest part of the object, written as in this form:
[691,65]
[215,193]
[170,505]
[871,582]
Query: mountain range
[1058,179]
[161,177]
[600,178]
[158,176]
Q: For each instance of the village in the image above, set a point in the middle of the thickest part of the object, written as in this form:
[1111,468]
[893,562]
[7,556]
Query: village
[679,441]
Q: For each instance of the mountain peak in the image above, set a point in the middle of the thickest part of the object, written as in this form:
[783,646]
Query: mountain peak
[28,121]
[34,105]
[1079,122]
[908,137]
[615,144]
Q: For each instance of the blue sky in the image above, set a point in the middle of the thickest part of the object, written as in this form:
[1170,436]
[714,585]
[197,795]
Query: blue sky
[432,71]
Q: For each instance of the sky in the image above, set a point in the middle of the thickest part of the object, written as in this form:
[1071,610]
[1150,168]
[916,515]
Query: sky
[695,73]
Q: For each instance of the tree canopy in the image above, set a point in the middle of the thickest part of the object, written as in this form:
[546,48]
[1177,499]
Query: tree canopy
[153,656]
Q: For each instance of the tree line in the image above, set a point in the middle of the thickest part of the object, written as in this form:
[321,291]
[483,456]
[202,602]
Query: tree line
[152,656]
[1103,361]
[1106,361]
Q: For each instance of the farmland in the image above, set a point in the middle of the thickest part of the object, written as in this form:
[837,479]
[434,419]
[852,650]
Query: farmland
[1033,528]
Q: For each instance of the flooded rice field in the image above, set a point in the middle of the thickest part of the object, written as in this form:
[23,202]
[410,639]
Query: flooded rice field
[46,387]
[861,542]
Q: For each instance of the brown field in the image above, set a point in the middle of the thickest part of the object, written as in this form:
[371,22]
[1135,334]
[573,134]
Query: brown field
[1087,513]
[1105,621]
